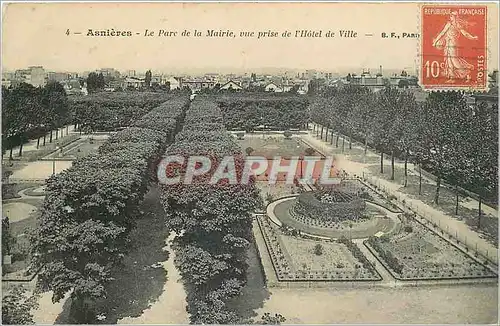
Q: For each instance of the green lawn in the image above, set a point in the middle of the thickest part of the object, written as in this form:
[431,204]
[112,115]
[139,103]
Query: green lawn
[21,231]
[83,148]
[11,190]
[43,151]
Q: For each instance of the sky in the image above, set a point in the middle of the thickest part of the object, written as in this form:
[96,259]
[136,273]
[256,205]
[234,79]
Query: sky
[35,34]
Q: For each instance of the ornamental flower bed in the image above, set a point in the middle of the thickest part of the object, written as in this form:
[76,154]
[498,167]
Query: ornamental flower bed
[313,208]
[423,254]
[295,259]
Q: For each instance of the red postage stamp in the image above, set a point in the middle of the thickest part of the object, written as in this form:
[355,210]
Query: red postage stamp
[453,46]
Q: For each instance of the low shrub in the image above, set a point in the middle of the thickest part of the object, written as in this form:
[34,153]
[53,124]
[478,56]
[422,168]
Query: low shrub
[408,229]
[318,249]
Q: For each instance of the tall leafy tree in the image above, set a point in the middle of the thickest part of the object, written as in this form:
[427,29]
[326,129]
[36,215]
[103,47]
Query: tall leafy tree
[55,106]
[364,114]
[17,306]
[92,83]
[439,135]
[481,146]
[384,138]
[147,79]
[22,113]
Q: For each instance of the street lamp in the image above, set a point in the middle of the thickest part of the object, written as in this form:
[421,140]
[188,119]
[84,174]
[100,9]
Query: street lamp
[301,159]
[264,127]
[54,159]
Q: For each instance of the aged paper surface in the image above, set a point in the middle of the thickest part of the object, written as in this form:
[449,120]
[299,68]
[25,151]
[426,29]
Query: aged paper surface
[223,163]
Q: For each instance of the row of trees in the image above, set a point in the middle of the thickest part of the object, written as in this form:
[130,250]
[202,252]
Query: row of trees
[456,141]
[109,111]
[249,112]
[29,111]
[213,220]
[90,209]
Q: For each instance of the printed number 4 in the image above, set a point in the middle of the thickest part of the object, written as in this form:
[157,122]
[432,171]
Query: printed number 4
[67,32]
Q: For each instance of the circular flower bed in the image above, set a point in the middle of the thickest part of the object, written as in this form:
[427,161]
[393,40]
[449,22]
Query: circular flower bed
[325,207]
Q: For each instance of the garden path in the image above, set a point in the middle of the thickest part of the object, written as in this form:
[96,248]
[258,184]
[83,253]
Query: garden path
[31,145]
[170,308]
[47,312]
[38,171]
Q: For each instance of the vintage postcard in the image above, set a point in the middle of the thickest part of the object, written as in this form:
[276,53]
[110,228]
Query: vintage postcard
[249,163]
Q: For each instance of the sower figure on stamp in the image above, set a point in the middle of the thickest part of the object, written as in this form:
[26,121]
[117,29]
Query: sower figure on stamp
[455,67]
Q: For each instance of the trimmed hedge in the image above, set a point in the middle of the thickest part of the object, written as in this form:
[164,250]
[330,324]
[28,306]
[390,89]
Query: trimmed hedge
[109,111]
[90,209]
[386,255]
[214,218]
[247,112]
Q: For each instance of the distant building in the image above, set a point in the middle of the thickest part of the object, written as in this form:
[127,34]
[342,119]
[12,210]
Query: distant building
[476,99]
[198,84]
[272,87]
[493,81]
[34,75]
[7,78]
[212,76]
[403,81]
[338,82]
[73,87]
[156,79]
[6,82]
[375,83]
[311,74]
[133,82]
[115,84]
[37,76]
[58,76]
[130,73]
[111,72]
[231,85]
[174,82]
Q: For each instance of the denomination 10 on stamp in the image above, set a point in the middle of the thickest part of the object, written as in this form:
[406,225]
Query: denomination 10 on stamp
[453,47]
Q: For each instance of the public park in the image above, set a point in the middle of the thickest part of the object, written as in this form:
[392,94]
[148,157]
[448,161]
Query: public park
[407,234]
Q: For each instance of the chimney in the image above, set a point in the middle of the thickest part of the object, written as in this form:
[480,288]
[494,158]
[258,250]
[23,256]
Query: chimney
[380,70]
